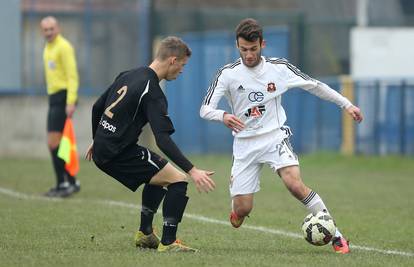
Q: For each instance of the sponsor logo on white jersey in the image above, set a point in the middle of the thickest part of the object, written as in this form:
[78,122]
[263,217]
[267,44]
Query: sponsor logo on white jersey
[255,112]
[256,97]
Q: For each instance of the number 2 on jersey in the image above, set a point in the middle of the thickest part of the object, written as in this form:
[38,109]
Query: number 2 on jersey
[122,92]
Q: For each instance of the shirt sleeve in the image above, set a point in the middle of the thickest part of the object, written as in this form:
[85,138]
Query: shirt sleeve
[296,78]
[162,127]
[216,91]
[325,92]
[71,71]
[171,150]
[158,118]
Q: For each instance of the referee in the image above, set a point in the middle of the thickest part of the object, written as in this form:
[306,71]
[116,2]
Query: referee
[62,86]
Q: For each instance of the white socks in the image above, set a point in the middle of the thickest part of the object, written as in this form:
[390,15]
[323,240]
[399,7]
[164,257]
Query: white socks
[314,203]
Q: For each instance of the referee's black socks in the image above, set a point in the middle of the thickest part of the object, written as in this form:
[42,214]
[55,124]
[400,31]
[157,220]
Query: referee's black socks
[152,196]
[173,209]
[59,167]
[71,179]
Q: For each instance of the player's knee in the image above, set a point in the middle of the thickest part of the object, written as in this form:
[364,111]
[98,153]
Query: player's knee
[177,177]
[181,177]
[173,174]
[167,176]
[288,173]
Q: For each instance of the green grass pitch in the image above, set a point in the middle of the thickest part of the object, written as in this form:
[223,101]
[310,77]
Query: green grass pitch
[371,199]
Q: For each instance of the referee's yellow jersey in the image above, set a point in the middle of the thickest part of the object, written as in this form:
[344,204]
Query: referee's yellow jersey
[60,68]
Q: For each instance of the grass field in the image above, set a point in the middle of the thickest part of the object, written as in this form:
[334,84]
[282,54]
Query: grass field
[370,198]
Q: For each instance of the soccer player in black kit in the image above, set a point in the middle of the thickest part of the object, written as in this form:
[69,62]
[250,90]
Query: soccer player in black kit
[118,116]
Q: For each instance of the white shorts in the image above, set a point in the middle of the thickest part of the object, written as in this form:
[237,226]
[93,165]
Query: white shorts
[249,155]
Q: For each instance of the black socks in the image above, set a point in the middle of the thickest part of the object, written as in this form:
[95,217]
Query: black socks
[173,209]
[59,166]
[60,171]
[152,196]
[71,179]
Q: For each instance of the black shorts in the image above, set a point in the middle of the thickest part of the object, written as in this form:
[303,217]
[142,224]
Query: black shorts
[56,115]
[134,166]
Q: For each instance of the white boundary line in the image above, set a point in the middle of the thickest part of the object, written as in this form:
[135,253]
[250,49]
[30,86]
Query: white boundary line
[19,195]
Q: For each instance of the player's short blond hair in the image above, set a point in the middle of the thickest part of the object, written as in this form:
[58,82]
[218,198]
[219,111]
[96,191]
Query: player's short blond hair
[173,46]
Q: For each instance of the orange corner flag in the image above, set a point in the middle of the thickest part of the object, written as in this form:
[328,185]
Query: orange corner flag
[67,148]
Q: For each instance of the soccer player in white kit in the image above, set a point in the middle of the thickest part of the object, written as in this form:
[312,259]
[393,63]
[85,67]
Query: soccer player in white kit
[253,86]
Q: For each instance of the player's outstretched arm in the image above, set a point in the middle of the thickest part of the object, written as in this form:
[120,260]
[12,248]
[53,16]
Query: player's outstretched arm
[355,113]
[202,180]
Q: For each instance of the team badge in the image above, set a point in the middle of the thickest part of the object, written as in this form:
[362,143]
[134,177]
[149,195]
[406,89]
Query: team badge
[271,87]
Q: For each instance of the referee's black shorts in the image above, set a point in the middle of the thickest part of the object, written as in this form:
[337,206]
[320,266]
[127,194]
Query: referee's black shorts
[134,166]
[56,115]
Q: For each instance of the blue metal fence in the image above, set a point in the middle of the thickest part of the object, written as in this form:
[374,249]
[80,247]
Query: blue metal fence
[388,126]
[316,124]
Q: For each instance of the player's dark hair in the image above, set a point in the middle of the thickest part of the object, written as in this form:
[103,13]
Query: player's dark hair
[173,46]
[250,30]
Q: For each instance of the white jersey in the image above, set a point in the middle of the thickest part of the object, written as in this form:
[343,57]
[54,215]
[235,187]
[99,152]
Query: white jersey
[254,94]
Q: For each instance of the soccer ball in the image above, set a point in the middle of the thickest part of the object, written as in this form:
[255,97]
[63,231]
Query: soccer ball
[318,229]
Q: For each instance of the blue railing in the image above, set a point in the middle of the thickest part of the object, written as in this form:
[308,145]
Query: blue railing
[388,126]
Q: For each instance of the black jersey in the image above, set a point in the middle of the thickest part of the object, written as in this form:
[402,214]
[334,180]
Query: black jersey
[118,116]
